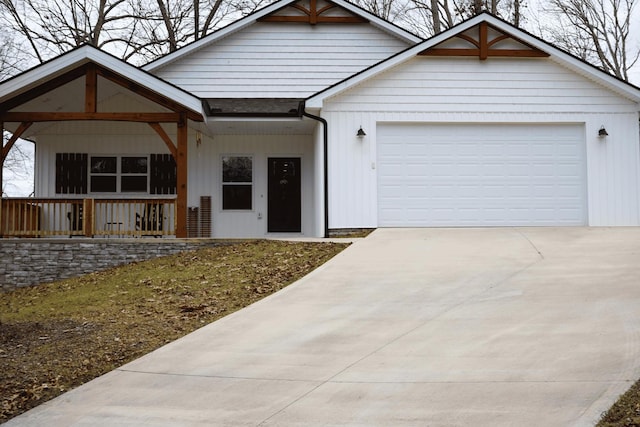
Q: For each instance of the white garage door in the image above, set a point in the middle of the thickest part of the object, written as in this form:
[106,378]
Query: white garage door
[481,175]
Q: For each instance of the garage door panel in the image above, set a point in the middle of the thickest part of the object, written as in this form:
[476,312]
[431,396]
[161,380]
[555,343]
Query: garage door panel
[457,175]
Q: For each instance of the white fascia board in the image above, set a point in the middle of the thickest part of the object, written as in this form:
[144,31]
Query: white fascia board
[82,55]
[252,18]
[622,88]
[32,78]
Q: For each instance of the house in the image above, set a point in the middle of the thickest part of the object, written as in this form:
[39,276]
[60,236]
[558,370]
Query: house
[314,115]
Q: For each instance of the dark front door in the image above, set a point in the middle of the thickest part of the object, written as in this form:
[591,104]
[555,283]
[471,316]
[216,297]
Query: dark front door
[284,201]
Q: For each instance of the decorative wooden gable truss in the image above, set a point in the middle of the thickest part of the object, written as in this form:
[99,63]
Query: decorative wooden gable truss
[484,41]
[314,12]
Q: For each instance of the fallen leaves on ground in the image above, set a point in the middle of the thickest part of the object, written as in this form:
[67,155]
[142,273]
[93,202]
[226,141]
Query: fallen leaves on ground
[57,336]
[625,412]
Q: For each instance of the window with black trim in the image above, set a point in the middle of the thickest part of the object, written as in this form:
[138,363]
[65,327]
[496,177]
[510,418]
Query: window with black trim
[103,174]
[112,174]
[237,183]
[133,174]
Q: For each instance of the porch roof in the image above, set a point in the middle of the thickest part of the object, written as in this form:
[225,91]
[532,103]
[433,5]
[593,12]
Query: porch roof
[63,69]
[254,107]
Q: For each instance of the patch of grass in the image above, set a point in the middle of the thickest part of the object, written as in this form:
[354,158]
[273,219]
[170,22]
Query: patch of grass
[625,412]
[57,336]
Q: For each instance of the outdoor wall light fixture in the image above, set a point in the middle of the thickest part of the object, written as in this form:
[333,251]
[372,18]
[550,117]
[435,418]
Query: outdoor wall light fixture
[361,133]
[602,132]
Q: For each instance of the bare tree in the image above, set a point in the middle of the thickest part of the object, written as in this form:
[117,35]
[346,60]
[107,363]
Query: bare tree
[18,168]
[165,25]
[53,27]
[11,60]
[136,30]
[597,31]
[18,165]
[434,16]
[390,10]
[508,9]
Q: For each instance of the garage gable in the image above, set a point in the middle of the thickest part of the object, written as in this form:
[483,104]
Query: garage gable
[488,39]
[484,125]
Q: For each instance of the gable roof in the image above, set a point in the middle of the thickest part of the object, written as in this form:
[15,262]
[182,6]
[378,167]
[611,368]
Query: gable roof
[272,11]
[523,40]
[59,66]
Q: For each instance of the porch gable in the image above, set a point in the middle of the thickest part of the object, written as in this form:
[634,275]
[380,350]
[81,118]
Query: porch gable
[21,107]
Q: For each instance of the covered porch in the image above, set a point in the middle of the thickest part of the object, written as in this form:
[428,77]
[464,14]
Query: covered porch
[111,149]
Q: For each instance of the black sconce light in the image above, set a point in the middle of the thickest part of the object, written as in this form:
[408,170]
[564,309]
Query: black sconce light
[602,132]
[361,133]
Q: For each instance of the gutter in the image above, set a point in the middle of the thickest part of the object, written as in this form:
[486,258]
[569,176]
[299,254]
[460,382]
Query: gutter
[325,127]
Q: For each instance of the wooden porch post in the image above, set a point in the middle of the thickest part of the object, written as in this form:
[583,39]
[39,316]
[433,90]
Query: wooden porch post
[89,220]
[181,179]
[2,157]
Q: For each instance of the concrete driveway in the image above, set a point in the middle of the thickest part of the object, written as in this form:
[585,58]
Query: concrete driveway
[415,327]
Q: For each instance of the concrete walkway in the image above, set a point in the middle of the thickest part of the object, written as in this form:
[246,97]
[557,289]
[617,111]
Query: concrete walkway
[414,327]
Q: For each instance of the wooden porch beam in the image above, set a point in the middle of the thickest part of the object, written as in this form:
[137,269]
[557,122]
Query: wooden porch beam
[181,179]
[513,53]
[313,12]
[167,140]
[1,182]
[468,39]
[450,52]
[483,41]
[73,116]
[91,90]
[146,93]
[518,53]
[498,39]
[17,134]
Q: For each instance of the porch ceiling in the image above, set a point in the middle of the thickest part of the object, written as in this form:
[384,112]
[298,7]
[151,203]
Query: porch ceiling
[70,98]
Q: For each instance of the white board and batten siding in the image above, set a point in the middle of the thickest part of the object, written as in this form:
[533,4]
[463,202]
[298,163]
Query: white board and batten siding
[205,179]
[94,138]
[280,60]
[528,96]
[204,163]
